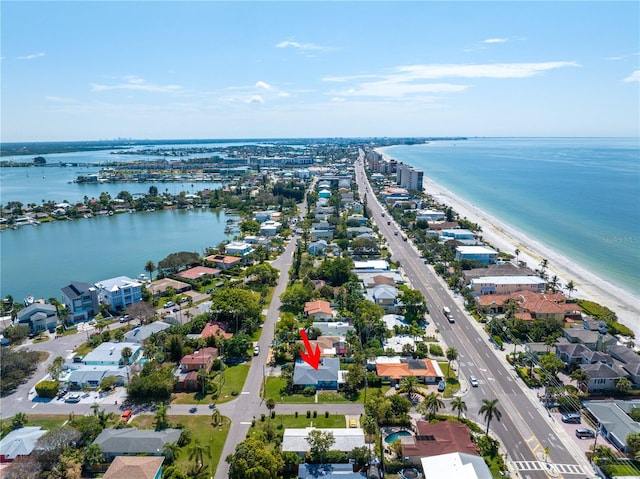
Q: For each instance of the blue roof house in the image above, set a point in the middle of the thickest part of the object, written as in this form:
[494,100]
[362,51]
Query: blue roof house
[325,377]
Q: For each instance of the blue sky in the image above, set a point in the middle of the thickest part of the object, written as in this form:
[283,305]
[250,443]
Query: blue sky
[172,70]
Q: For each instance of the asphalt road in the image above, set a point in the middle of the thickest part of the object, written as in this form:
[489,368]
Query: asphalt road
[525,429]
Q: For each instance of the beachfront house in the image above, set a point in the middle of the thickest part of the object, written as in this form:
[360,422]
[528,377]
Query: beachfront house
[481,254]
[119,292]
[81,300]
[507,284]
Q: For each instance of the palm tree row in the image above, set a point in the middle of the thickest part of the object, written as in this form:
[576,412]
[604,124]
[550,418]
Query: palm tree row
[432,403]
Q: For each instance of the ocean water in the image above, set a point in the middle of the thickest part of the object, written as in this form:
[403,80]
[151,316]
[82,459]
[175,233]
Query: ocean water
[578,196]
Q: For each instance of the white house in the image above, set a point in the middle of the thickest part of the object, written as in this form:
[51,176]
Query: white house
[507,284]
[238,248]
[270,228]
[119,292]
[482,254]
[459,465]
[39,316]
[110,354]
[346,439]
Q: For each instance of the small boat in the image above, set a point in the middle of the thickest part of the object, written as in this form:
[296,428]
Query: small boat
[29,300]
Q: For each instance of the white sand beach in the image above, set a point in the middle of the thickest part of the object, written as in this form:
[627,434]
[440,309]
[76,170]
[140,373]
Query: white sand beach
[505,238]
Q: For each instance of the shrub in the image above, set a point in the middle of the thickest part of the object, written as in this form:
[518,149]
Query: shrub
[262,417]
[326,414]
[308,414]
[435,350]
[296,414]
[315,414]
[273,414]
[309,391]
[47,388]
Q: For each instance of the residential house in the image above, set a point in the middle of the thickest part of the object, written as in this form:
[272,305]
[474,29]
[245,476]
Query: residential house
[240,248]
[398,342]
[324,193]
[481,254]
[458,465]
[430,215]
[110,354]
[202,359]
[81,300]
[384,295]
[507,284]
[322,230]
[19,442]
[325,377]
[370,266]
[38,317]
[530,305]
[214,328]
[319,309]
[140,333]
[322,247]
[224,262]
[92,376]
[346,439]
[132,441]
[613,420]
[358,219]
[629,361]
[393,320]
[119,292]
[262,216]
[371,279]
[161,285]
[330,346]
[198,272]
[393,369]
[354,231]
[270,228]
[592,339]
[435,439]
[504,269]
[332,328]
[602,377]
[458,234]
[135,467]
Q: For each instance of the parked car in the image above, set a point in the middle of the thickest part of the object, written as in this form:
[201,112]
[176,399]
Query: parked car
[78,359]
[72,398]
[572,418]
[352,423]
[442,386]
[175,310]
[585,433]
[126,415]
[168,305]
[388,222]
[256,350]
[395,232]
[473,381]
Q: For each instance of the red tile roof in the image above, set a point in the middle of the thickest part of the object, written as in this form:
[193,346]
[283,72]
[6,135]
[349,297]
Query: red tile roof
[315,307]
[198,271]
[215,329]
[221,258]
[401,370]
[443,437]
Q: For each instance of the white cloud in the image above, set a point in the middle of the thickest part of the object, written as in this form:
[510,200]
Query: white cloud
[495,40]
[261,84]
[59,99]
[303,47]
[635,76]
[417,80]
[32,56]
[255,99]
[138,84]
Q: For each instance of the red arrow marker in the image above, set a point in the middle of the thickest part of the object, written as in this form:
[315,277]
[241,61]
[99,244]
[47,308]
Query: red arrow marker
[310,357]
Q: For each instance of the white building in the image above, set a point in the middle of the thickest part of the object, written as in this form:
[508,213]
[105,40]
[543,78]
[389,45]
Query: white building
[238,248]
[119,292]
[459,465]
[507,284]
[347,439]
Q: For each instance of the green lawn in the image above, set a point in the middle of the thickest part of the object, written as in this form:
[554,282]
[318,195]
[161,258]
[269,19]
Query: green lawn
[276,384]
[290,421]
[202,431]
[232,380]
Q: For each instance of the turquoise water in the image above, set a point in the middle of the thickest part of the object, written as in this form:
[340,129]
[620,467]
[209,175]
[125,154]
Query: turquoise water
[579,196]
[396,435]
[39,260]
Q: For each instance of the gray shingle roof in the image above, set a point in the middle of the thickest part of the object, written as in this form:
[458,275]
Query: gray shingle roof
[327,372]
[135,441]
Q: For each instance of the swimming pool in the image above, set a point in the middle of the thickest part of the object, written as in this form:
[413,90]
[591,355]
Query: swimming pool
[396,435]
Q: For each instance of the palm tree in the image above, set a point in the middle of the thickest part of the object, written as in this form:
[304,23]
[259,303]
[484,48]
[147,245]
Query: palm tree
[197,452]
[490,410]
[580,376]
[543,265]
[271,404]
[457,404]
[162,421]
[570,287]
[517,252]
[623,385]
[150,267]
[553,283]
[451,355]
[409,384]
[369,425]
[170,452]
[431,404]
[126,354]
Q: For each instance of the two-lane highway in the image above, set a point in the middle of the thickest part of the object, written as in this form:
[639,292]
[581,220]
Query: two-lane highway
[524,429]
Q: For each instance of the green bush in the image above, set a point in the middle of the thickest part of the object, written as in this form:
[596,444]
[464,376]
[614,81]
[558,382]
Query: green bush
[315,414]
[435,350]
[309,391]
[47,388]
[308,414]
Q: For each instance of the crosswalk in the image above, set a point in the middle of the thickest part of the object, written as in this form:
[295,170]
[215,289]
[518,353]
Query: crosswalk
[540,466]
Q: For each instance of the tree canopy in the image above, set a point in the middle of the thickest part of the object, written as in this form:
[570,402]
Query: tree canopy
[176,261]
[253,459]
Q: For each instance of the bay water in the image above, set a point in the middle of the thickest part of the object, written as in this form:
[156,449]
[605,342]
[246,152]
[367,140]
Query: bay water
[578,196]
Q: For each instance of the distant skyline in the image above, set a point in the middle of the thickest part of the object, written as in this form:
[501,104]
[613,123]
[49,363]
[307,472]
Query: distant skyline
[74,71]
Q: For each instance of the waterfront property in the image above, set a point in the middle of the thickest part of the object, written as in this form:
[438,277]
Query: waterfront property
[507,284]
[160,286]
[481,254]
[81,299]
[224,262]
[119,292]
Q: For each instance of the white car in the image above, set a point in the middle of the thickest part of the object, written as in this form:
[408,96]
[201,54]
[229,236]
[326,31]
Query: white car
[473,381]
[256,350]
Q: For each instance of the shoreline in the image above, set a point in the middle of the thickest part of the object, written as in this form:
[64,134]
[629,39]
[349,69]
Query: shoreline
[507,238]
